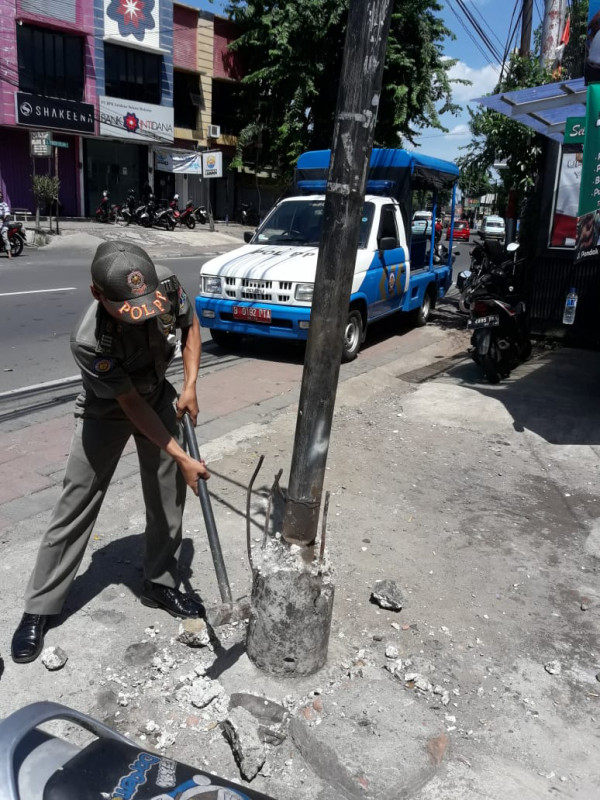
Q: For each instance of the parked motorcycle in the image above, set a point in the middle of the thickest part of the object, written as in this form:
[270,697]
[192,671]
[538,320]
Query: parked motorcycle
[201,215]
[441,253]
[163,217]
[16,238]
[497,318]
[127,210]
[36,764]
[186,217]
[103,212]
[142,214]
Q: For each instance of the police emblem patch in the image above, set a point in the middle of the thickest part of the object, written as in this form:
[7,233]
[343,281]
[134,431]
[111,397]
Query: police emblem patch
[136,282]
[182,300]
[103,365]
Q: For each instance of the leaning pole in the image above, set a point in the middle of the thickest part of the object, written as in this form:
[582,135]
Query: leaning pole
[292,594]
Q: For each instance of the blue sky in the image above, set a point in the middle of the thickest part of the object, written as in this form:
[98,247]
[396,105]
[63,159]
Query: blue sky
[474,62]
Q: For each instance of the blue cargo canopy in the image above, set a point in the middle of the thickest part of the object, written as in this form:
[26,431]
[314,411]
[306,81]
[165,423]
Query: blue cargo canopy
[392,172]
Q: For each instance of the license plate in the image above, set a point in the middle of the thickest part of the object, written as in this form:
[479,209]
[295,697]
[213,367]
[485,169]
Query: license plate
[251,314]
[491,321]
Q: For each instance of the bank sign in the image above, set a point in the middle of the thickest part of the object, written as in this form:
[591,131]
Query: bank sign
[46,112]
[128,119]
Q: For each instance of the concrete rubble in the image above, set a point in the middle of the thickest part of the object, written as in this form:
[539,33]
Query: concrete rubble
[479,679]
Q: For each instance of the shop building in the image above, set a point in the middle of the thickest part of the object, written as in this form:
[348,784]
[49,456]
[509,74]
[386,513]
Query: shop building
[134,88]
[47,83]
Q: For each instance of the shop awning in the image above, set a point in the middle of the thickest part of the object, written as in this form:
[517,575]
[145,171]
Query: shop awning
[543,108]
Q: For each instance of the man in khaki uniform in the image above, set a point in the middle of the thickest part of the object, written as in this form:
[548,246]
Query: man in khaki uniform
[123,344]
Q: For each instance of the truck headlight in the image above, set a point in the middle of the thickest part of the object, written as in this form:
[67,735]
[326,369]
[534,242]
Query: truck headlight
[304,292]
[211,284]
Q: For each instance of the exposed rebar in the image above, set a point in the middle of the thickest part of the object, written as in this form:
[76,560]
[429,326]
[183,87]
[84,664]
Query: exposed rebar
[274,487]
[248,500]
[323,530]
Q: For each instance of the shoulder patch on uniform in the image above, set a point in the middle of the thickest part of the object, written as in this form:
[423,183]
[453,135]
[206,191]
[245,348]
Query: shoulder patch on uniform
[182,296]
[103,365]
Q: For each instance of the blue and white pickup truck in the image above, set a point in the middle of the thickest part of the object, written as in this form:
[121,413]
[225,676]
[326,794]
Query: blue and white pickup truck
[265,288]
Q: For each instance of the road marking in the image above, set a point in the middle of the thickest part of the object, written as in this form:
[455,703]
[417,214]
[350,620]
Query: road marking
[40,291]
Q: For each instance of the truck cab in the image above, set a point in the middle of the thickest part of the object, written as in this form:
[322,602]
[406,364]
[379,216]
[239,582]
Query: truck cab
[265,288]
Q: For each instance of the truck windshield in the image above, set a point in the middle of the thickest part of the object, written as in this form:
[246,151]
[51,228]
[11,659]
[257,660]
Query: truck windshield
[300,222]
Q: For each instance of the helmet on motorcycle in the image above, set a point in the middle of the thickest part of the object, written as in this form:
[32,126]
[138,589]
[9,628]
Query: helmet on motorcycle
[175,197]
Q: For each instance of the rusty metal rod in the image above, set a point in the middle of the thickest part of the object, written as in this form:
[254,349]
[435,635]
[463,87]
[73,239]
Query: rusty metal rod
[248,500]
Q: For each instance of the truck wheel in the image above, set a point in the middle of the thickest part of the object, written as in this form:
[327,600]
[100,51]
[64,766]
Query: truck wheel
[421,315]
[353,336]
[225,339]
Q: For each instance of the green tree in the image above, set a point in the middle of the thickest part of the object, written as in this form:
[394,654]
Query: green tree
[292,54]
[45,193]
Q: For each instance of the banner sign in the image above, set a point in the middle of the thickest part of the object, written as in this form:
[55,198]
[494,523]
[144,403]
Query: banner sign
[588,223]
[129,119]
[39,144]
[574,130]
[48,112]
[179,161]
[592,44]
[212,164]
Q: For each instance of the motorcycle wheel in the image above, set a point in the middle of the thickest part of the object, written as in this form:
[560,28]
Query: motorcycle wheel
[491,367]
[16,246]
[170,224]
[526,348]
[191,223]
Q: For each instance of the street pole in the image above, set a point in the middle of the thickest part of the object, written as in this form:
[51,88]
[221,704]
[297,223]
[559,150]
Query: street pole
[356,115]
[56,176]
[526,27]
[554,14]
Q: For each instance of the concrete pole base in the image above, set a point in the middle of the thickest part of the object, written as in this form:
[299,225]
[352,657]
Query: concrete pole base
[291,609]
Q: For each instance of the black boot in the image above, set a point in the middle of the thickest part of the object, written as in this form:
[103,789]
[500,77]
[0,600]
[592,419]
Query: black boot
[175,602]
[28,639]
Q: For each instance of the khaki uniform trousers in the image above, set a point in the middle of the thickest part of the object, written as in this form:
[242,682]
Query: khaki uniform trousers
[96,448]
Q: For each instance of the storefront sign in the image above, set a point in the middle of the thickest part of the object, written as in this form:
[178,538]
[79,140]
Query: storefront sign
[588,223]
[212,164]
[178,161]
[128,119]
[574,130]
[47,112]
[39,144]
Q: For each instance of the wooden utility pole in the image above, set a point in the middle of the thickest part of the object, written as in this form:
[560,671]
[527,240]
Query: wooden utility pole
[526,26]
[356,114]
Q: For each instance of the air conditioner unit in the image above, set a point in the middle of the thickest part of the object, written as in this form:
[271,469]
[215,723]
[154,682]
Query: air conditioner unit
[214,131]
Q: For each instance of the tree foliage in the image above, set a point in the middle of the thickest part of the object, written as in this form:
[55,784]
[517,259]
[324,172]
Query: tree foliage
[292,56]
[496,138]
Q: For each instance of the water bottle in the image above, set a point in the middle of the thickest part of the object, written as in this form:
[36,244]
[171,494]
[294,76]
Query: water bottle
[570,307]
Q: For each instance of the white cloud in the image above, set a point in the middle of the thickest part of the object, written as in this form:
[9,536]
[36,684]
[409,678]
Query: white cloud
[460,131]
[483,81]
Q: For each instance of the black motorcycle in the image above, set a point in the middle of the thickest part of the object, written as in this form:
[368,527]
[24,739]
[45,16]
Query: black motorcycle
[201,215]
[126,212]
[16,238]
[497,318]
[163,216]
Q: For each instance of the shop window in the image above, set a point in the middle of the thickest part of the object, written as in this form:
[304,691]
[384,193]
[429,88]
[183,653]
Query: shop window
[186,100]
[50,62]
[564,218]
[225,105]
[132,74]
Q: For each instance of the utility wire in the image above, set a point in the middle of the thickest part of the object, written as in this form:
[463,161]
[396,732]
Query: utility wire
[484,38]
[471,37]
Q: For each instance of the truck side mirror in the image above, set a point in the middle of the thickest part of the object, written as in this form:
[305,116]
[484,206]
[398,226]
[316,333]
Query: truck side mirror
[248,236]
[388,243]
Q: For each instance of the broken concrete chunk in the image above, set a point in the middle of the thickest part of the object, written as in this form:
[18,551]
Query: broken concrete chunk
[264,710]
[391,651]
[241,731]
[54,658]
[553,667]
[203,691]
[193,633]
[387,594]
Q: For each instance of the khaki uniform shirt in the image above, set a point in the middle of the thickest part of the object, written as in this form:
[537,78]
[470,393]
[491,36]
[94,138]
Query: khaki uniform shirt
[115,357]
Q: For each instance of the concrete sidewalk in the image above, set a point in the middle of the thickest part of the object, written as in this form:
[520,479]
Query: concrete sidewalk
[158,242]
[479,501]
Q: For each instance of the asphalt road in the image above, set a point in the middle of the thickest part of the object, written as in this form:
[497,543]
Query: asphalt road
[42,294]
